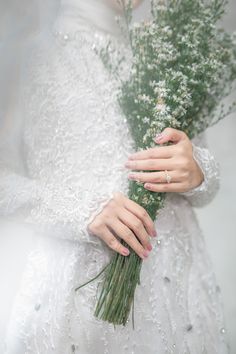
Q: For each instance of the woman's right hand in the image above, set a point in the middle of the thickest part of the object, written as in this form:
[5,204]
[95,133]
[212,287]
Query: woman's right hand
[129,221]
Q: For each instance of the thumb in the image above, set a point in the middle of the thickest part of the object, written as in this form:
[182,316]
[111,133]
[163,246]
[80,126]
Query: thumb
[170,134]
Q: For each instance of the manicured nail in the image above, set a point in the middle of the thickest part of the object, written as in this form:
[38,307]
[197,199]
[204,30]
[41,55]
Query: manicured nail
[159,137]
[149,247]
[146,253]
[126,252]
[127,164]
[132,176]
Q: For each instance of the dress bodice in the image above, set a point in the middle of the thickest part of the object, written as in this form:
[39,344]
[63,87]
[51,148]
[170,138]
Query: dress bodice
[82,14]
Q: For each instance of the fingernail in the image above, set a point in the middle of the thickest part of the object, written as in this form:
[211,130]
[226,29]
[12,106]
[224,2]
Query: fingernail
[159,137]
[146,253]
[149,247]
[126,252]
[154,233]
[131,176]
[127,164]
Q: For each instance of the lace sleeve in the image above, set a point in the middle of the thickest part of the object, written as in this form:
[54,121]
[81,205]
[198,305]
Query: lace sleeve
[207,190]
[51,202]
[51,209]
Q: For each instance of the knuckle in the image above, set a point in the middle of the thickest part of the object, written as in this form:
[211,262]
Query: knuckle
[143,214]
[106,215]
[177,163]
[97,225]
[185,175]
[183,162]
[169,130]
[112,204]
[128,234]
[137,224]
[117,197]
[106,210]
[93,229]
[112,243]
[181,149]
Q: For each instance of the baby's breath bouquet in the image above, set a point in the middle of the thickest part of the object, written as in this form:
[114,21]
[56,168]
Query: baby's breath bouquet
[183,65]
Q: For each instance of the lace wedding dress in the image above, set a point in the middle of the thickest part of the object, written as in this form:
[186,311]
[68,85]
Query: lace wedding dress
[74,142]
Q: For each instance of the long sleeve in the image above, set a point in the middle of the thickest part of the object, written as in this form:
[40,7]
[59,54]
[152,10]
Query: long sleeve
[207,190]
[51,207]
[62,161]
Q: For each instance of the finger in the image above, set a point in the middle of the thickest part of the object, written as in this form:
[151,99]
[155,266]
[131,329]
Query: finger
[153,153]
[155,177]
[170,134]
[129,237]
[136,225]
[150,164]
[142,214]
[119,197]
[112,242]
[165,187]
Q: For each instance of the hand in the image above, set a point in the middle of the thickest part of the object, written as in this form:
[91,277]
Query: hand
[177,159]
[129,221]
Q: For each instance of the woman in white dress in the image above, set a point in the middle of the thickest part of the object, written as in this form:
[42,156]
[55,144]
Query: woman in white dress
[74,143]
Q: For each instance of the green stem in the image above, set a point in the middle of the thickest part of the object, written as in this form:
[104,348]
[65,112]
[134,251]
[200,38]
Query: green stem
[98,275]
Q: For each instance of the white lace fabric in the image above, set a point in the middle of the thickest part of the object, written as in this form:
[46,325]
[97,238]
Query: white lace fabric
[207,190]
[66,152]
[75,142]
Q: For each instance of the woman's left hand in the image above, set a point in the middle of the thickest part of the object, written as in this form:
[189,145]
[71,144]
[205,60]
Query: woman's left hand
[175,161]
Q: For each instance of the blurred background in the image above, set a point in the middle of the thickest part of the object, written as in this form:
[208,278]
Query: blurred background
[218,219]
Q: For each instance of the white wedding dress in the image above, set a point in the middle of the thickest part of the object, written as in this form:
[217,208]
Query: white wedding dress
[74,142]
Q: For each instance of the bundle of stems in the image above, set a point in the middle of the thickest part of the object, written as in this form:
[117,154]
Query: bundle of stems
[183,66]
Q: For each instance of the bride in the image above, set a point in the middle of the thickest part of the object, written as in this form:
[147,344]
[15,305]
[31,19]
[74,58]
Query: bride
[73,155]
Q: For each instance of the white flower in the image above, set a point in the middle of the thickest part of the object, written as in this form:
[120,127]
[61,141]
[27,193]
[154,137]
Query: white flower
[161,108]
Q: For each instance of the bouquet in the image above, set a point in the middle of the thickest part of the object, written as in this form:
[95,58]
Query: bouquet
[183,66]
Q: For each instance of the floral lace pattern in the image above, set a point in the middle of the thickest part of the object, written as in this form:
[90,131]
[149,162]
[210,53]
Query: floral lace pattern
[207,190]
[75,144]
